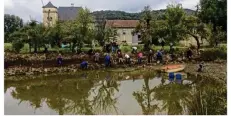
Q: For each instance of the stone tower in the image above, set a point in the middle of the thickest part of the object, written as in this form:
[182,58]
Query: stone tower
[50,15]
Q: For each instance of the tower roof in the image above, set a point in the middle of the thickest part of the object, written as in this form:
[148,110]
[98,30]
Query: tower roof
[49,5]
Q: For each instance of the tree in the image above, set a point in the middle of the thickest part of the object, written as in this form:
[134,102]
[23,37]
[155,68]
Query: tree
[110,34]
[17,39]
[144,27]
[12,23]
[173,16]
[71,33]
[217,36]
[85,25]
[56,34]
[100,31]
[215,12]
[37,34]
[195,28]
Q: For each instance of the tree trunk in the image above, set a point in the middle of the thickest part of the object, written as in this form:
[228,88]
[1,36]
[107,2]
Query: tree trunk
[35,47]
[197,40]
[198,43]
[73,47]
[30,47]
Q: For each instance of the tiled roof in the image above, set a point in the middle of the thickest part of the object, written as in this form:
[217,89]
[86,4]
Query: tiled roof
[68,13]
[49,5]
[122,23]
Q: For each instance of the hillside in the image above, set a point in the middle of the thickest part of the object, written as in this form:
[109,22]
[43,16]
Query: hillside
[112,15]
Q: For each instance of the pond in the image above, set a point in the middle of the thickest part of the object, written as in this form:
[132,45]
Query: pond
[124,93]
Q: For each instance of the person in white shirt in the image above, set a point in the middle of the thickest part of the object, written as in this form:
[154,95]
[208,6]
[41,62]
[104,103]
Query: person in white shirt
[127,58]
[134,50]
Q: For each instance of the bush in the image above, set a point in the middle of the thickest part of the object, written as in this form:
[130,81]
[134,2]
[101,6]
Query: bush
[17,46]
[214,54]
[126,48]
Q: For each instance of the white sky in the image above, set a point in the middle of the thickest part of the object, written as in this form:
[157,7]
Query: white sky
[33,8]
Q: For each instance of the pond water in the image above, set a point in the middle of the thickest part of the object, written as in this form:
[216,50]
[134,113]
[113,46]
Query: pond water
[100,92]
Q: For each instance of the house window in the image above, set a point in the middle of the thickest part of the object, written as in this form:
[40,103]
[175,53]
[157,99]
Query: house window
[139,37]
[49,18]
[124,32]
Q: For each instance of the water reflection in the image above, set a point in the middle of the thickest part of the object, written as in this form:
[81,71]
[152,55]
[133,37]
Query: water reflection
[103,92]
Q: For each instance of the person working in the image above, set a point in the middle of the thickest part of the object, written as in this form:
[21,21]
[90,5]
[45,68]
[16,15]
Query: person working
[189,54]
[127,58]
[150,55]
[159,56]
[201,67]
[107,60]
[84,65]
[120,56]
[97,57]
[140,55]
[59,59]
[134,50]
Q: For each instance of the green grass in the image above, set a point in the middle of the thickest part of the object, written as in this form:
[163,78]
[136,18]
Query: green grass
[25,49]
[124,48]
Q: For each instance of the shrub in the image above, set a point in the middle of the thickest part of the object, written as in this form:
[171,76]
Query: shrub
[214,54]
[126,48]
[17,46]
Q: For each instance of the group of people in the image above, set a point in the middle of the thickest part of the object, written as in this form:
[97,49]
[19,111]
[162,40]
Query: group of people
[126,57]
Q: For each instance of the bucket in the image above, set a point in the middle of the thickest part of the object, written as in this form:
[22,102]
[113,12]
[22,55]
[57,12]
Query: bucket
[171,76]
[178,76]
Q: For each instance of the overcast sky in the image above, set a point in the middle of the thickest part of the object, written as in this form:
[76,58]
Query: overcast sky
[33,8]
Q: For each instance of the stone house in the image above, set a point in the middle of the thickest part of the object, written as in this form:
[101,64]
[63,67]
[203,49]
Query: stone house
[124,30]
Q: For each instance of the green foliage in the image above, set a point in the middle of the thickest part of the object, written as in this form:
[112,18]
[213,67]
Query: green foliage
[174,15]
[126,49]
[12,23]
[17,45]
[121,15]
[80,31]
[214,54]
[100,32]
[215,12]
[217,37]
[144,27]
[110,34]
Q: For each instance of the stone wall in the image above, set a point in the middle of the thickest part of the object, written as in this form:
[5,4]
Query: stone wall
[126,34]
[53,14]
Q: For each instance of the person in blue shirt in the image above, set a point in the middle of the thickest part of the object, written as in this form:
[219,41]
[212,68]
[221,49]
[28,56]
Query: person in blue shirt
[159,56]
[84,65]
[107,60]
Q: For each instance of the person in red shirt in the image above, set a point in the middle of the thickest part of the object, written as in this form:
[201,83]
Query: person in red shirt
[140,55]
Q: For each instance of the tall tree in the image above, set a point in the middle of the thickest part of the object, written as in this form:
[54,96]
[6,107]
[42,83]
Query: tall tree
[144,27]
[100,31]
[215,12]
[193,27]
[174,15]
[37,33]
[85,24]
[12,23]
